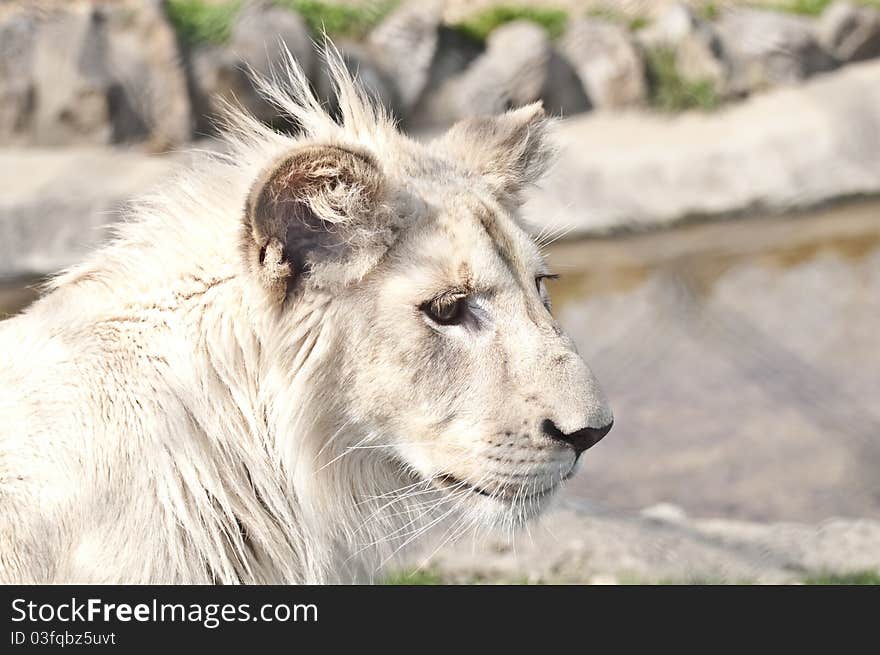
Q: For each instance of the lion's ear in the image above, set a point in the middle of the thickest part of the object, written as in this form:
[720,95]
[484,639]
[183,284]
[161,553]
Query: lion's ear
[309,211]
[510,151]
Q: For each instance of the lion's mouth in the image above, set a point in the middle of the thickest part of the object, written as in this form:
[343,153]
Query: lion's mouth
[449,482]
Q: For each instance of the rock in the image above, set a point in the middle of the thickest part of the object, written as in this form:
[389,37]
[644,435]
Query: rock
[217,77]
[794,148]
[262,30]
[574,545]
[664,513]
[518,67]
[92,73]
[563,93]
[17,90]
[405,44]
[698,49]
[146,64]
[607,62]
[259,36]
[768,48]
[672,25]
[77,100]
[511,73]
[454,54]
[411,53]
[54,202]
[850,32]
[375,80]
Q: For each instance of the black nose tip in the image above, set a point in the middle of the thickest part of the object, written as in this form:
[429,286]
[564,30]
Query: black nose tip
[579,440]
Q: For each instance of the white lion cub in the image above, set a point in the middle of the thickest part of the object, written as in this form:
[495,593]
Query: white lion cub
[293,360]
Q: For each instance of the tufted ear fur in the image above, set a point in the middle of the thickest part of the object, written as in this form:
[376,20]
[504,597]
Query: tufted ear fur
[509,151]
[308,216]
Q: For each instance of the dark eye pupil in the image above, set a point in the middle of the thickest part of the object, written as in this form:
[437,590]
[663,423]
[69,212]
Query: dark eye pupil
[539,283]
[446,313]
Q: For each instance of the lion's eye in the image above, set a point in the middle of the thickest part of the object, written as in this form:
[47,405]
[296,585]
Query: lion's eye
[542,290]
[446,311]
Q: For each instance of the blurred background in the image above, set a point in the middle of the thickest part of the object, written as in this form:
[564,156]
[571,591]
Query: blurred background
[714,216]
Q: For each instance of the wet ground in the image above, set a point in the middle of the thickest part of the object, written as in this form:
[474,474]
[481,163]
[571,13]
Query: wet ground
[742,360]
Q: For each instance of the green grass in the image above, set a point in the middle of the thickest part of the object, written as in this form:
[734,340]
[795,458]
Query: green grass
[198,22]
[430,577]
[670,92]
[632,23]
[337,19]
[708,10]
[480,25]
[812,7]
[803,7]
[415,577]
[858,578]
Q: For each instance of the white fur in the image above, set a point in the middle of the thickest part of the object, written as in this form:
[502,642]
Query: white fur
[163,420]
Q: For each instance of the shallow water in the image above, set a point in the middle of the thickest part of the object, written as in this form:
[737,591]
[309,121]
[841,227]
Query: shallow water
[742,360]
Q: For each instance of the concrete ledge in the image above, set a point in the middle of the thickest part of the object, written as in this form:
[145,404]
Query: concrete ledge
[55,203]
[577,544]
[788,149]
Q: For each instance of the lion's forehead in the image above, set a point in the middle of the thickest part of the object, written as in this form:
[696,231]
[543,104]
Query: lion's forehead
[465,240]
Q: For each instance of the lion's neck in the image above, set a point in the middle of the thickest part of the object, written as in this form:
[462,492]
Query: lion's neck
[244,443]
[276,478]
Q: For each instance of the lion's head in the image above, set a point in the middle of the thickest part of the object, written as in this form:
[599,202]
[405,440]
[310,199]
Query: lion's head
[447,366]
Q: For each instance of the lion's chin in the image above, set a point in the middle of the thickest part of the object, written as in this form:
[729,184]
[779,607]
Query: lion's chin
[500,504]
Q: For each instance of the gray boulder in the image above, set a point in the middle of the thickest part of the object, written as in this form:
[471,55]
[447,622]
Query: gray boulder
[607,61]
[56,203]
[17,89]
[850,32]
[91,73]
[262,30]
[511,73]
[260,35]
[563,92]
[77,99]
[405,44]
[455,52]
[378,83]
[518,67]
[673,24]
[769,48]
[144,60]
[699,52]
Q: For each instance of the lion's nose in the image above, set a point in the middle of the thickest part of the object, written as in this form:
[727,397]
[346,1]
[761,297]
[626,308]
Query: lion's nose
[579,440]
